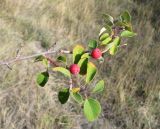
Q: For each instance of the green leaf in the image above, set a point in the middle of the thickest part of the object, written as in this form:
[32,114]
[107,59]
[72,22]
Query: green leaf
[117,41]
[42,78]
[92,109]
[77,53]
[63,95]
[43,59]
[64,71]
[120,23]
[83,65]
[110,45]
[92,44]
[106,41]
[85,55]
[39,58]
[62,58]
[99,87]
[108,19]
[91,72]
[77,97]
[103,36]
[126,17]
[128,27]
[45,62]
[127,33]
[114,48]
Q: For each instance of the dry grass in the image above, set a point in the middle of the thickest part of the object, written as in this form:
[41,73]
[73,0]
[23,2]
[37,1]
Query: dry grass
[132,96]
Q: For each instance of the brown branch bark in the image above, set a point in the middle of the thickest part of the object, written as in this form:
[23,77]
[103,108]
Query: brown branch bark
[21,58]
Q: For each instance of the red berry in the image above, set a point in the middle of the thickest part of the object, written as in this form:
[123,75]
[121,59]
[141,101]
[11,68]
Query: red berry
[74,69]
[96,53]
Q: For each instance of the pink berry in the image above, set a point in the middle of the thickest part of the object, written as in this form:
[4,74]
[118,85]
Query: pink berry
[74,69]
[96,53]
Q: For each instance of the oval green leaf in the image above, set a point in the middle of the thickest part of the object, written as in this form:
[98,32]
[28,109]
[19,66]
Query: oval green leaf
[92,44]
[42,78]
[114,48]
[62,70]
[103,36]
[39,58]
[117,41]
[106,41]
[110,45]
[108,19]
[92,109]
[126,17]
[85,55]
[127,33]
[91,72]
[83,65]
[77,53]
[99,87]
[45,62]
[63,95]
[77,97]
[62,58]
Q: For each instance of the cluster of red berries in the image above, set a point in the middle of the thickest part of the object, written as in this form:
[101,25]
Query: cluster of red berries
[96,54]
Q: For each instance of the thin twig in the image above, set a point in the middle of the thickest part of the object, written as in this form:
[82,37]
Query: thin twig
[105,50]
[31,56]
[121,46]
[53,62]
[71,84]
[8,66]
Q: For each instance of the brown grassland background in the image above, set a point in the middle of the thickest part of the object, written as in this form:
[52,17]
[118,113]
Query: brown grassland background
[131,99]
